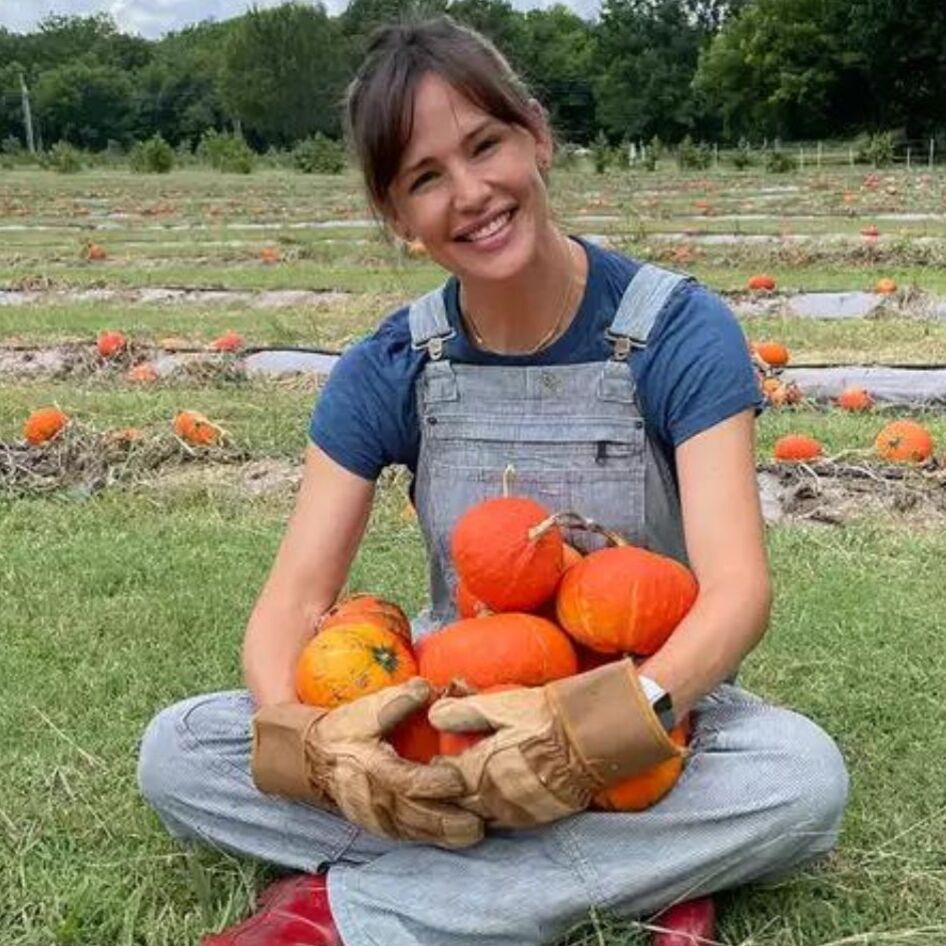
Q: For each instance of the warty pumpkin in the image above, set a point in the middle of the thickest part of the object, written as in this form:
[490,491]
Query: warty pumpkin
[110,343]
[350,660]
[370,608]
[229,341]
[512,647]
[855,399]
[797,447]
[145,372]
[904,441]
[761,282]
[774,354]
[194,428]
[885,286]
[43,425]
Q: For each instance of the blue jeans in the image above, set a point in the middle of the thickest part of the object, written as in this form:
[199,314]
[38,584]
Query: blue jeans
[763,791]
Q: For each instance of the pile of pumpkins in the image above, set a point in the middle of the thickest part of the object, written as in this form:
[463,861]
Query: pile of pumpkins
[533,610]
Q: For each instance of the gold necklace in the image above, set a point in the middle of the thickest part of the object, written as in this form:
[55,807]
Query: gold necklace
[549,336]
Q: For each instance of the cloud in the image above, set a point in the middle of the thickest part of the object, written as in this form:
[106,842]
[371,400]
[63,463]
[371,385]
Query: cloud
[151,18]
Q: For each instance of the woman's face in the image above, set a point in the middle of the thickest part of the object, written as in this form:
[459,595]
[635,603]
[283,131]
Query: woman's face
[469,186]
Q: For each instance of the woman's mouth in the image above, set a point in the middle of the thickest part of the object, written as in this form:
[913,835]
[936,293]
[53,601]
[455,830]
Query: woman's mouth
[489,231]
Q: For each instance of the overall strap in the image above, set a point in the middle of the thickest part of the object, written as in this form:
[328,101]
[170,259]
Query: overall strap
[643,300]
[430,327]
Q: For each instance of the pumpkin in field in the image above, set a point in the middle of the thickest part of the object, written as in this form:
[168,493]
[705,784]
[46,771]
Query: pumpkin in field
[194,428]
[43,425]
[774,354]
[110,343]
[145,373]
[270,254]
[780,394]
[870,233]
[624,599]
[371,609]
[95,253]
[346,661]
[797,447]
[904,441]
[522,649]
[885,286]
[508,552]
[855,399]
[648,787]
[761,282]
[229,341]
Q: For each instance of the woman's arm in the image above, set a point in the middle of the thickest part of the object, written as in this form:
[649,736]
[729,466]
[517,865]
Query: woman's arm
[725,542]
[311,566]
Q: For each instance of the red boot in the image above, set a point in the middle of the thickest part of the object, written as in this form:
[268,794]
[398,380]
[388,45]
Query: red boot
[690,923]
[293,912]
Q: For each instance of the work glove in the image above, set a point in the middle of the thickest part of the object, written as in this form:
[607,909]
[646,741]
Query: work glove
[339,757]
[554,747]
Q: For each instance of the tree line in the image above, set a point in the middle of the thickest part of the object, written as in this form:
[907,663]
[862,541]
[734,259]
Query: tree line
[721,70]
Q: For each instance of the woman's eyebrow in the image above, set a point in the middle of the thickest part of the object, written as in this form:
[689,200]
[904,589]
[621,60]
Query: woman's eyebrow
[472,133]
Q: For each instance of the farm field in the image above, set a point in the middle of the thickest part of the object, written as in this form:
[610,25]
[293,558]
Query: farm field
[130,561]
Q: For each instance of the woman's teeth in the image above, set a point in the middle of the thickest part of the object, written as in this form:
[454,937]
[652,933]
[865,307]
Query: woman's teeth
[492,227]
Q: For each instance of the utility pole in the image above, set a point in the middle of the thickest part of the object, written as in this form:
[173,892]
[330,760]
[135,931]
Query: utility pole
[27,115]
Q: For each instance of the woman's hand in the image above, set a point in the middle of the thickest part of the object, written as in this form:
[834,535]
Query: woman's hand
[555,746]
[340,756]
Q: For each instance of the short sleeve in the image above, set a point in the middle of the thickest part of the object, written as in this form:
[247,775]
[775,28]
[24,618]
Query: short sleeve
[348,421]
[696,370]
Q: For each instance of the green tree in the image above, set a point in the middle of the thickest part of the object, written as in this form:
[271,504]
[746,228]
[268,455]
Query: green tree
[283,72]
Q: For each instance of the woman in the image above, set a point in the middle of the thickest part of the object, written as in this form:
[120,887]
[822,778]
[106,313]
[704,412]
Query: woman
[619,390]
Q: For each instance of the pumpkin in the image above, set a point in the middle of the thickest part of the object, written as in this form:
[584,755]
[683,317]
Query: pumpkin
[774,354]
[194,428]
[523,649]
[415,738]
[570,556]
[761,282]
[648,787]
[871,232]
[95,252]
[855,399]
[885,286]
[270,254]
[351,660]
[229,341]
[44,424]
[904,441]
[368,608]
[110,343]
[797,447]
[416,249]
[144,372]
[508,552]
[453,743]
[468,605]
[624,599]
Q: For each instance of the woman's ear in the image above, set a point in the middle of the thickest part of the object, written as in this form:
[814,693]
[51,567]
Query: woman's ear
[542,133]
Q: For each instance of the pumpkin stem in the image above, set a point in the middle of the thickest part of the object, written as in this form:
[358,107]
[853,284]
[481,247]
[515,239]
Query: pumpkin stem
[509,474]
[386,658]
[537,531]
[573,520]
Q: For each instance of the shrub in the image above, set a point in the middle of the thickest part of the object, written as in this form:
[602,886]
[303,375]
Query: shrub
[225,152]
[652,154]
[601,153]
[779,162]
[64,158]
[876,149]
[743,157]
[154,156]
[319,155]
[693,157]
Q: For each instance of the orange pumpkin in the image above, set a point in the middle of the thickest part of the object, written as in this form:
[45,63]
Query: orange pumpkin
[350,660]
[368,608]
[885,286]
[453,743]
[570,556]
[43,425]
[508,553]
[95,252]
[110,343]
[855,399]
[624,599]
[270,254]
[774,354]
[194,428]
[648,787]
[416,738]
[761,282]
[229,341]
[871,232]
[516,648]
[145,372]
[468,605]
[904,441]
[797,447]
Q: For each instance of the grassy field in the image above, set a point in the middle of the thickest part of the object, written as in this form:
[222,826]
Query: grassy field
[121,601]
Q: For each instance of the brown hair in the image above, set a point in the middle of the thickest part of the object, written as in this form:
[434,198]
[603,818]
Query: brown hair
[379,102]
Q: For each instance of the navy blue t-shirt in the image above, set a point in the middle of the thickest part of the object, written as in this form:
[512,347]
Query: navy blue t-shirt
[694,372]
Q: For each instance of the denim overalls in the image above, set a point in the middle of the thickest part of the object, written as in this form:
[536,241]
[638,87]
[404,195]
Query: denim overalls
[763,790]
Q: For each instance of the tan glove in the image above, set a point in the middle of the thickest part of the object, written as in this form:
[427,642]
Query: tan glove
[339,756]
[555,746]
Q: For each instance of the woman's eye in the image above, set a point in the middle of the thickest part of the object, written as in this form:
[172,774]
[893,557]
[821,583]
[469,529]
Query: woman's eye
[422,180]
[486,144]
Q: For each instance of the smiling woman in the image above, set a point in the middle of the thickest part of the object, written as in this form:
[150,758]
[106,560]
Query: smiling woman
[619,390]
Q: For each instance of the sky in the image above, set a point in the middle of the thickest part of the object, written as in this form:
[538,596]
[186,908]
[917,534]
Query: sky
[151,18]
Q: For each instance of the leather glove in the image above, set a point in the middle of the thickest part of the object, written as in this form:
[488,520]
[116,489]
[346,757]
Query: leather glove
[555,746]
[339,756]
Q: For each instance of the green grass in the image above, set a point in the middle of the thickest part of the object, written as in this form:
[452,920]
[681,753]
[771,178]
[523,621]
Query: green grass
[117,606]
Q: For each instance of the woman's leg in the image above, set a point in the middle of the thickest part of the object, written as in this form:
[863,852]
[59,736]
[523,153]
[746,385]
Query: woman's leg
[194,768]
[763,792]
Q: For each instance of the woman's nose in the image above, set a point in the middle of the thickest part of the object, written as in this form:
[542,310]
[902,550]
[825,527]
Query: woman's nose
[470,191]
